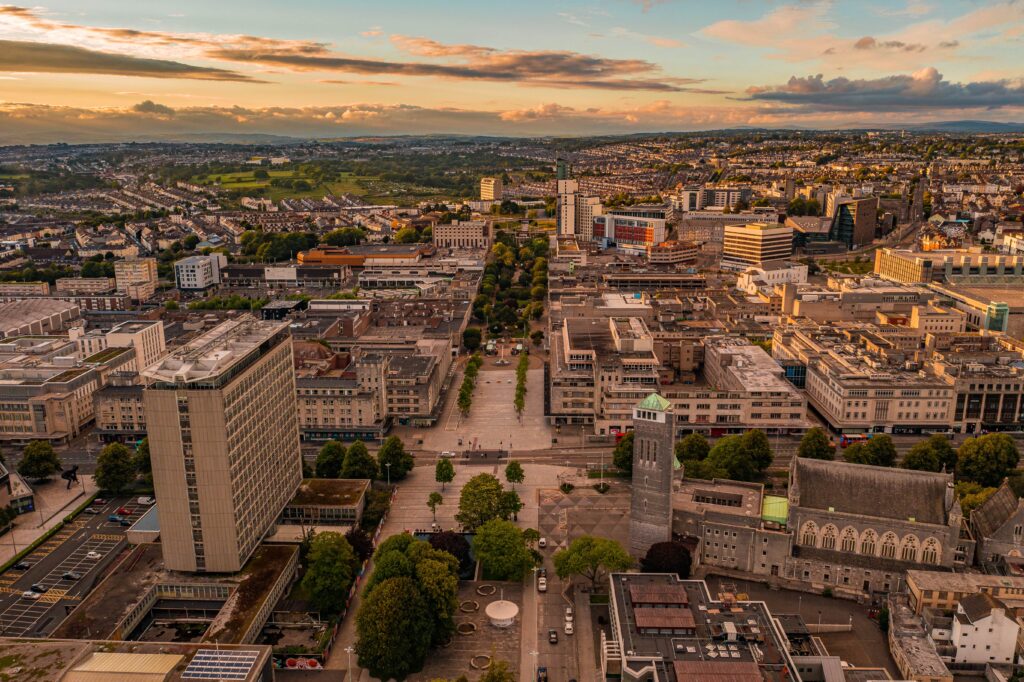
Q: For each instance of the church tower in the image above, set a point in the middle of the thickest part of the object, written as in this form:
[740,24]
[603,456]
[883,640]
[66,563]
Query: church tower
[654,431]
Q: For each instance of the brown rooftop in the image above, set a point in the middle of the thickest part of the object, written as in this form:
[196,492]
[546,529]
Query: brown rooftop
[677,618]
[658,594]
[718,671]
[329,492]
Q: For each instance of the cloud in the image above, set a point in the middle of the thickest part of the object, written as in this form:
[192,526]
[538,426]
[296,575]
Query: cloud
[335,81]
[869,43]
[151,107]
[29,57]
[921,90]
[541,68]
[538,112]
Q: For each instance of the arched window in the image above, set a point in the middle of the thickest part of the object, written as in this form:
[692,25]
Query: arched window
[868,542]
[908,548]
[809,534]
[828,536]
[930,551]
[849,540]
[889,545]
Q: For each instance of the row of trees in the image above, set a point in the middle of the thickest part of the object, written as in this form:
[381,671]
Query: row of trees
[332,562]
[117,467]
[469,383]
[393,462]
[521,368]
[740,458]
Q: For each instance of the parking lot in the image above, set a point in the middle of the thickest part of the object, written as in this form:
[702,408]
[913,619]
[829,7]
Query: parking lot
[85,547]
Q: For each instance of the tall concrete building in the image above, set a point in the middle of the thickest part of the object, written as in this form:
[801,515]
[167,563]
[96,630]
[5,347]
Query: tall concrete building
[224,441]
[491,189]
[566,210]
[136,277]
[853,222]
[653,463]
[754,244]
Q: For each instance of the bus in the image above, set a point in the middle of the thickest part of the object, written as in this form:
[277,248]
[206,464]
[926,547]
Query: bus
[849,439]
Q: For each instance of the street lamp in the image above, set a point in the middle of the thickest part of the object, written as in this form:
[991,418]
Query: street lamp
[388,465]
[349,650]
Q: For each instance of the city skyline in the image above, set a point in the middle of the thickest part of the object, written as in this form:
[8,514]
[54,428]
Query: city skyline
[107,71]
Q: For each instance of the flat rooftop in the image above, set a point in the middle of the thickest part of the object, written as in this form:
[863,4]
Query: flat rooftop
[214,352]
[1010,294]
[721,497]
[329,492]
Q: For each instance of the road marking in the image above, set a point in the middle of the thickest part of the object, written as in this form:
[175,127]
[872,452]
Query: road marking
[107,536]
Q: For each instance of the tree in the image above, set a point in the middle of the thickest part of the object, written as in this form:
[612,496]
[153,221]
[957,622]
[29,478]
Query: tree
[393,452]
[345,236]
[330,569]
[394,630]
[439,585]
[115,468]
[143,463]
[358,462]
[591,557]
[972,495]
[498,672]
[407,235]
[39,461]
[667,557]
[857,453]
[877,451]
[455,544]
[986,460]
[444,472]
[501,549]
[622,455]
[360,542]
[693,446]
[330,460]
[471,338]
[514,473]
[816,445]
[921,458]
[754,444]
[480,501]
[434,500]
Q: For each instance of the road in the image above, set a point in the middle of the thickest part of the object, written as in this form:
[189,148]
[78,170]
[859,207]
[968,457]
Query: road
[65,552]
[562,658]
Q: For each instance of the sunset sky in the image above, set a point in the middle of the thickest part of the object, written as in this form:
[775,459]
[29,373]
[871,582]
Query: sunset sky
[112,70]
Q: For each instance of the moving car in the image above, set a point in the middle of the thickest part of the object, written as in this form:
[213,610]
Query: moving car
[568,627]
[542,543]
[447,454]
[553,636]
[93,556]
[568,614]
[542,674]
[71,575]
[542,584]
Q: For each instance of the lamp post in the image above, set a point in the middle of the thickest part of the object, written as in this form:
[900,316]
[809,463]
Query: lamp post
[349,650]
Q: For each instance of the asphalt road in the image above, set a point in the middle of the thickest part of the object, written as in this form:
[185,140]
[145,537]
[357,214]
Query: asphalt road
[66,551]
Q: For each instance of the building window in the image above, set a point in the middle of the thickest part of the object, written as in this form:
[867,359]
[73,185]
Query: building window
[809,534]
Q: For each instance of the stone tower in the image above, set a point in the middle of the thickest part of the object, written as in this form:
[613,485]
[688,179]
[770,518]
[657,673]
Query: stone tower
[654,431]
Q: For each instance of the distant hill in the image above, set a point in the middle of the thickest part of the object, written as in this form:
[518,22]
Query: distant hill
[965,127]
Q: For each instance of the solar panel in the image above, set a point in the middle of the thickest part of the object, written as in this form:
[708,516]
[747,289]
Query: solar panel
[217,664]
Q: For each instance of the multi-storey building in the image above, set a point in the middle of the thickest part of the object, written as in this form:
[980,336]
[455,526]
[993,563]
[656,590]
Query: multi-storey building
[198,273]
[85,286]
[853,222]
[755,244]
[625,232]
[672,253]
[913,267]
[119,408]
[463,234]
[491,189]
[136,277]
[224,441]
[36,316]
[14,289]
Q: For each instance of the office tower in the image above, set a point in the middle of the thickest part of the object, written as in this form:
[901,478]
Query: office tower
[491,189]
[587,208]
[566,218]
[755,244]
[562,169]
[854,222]
[224,442]
[654,430]
[136,277]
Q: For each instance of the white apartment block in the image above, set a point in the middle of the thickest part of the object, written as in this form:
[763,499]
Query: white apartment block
[197,273]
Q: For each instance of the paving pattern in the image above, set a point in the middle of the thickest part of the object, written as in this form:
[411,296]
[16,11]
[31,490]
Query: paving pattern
[563,518]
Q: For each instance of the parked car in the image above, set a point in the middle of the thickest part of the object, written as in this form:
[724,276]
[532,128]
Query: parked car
[123,511]
[568,627]
[93,556]
[99,501]
[542,674]
[542,573]
[39,588]
[71,575]
[542,584]
[448,454]
[568,614]
[114,518]
[126,522]
[553,636]
[22,566]
[542,543]
[92,510]
[146,500]
[29,594]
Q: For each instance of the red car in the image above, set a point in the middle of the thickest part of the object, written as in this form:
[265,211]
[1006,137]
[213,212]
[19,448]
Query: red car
[124,511]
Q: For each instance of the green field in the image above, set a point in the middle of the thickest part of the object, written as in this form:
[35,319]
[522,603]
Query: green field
[373,189]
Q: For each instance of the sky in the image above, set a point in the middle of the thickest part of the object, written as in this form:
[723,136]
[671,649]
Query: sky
[100,70]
